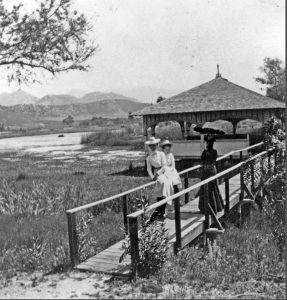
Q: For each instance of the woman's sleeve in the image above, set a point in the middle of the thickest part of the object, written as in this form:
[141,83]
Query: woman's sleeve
[149,169]
[163,164]
[215,155]
[203,155]
[172,162]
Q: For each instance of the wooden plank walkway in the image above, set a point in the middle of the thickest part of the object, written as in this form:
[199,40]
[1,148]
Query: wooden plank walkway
[192,225]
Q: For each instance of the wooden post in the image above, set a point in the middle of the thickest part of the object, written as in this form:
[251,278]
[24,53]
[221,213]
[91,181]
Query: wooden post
[241,183]
[262,171]
[231,162]
[177,224]
[125,213]
[241,192]
[252,177]
[226,178]
[241,155]
[73,239]
[213,214]
[134,241]
[206,200]
[186,196]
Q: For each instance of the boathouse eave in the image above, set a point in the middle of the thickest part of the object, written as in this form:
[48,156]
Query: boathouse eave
[233,116]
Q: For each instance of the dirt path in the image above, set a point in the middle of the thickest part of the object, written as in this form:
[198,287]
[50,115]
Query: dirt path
[73,285]
[79,285]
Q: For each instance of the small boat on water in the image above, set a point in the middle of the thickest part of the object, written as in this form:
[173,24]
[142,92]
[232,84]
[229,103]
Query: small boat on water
[60,135]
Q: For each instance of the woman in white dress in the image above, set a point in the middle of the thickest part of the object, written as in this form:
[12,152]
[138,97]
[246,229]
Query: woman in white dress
[157,170]
[171,171]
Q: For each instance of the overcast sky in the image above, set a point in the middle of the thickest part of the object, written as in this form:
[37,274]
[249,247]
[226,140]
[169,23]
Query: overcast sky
[173,44]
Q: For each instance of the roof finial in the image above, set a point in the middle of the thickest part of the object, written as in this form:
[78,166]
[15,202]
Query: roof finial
[218,74]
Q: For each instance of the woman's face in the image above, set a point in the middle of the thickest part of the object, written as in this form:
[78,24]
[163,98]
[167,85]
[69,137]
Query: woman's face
[166,149]
[152,147]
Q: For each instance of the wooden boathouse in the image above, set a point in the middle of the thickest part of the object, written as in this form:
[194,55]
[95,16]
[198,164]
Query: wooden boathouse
[217,99]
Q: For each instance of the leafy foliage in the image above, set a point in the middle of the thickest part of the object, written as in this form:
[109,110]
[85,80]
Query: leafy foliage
[240,255]
[274,78]
[274,208]
[52,38]
[87,242]
[153,244]
[273,133]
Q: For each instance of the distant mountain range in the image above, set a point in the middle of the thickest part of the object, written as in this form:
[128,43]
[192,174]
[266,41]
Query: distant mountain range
[105,108]
[19,108]
[34,116]
[21,97]
[147,94]
[17,97]
[139,94]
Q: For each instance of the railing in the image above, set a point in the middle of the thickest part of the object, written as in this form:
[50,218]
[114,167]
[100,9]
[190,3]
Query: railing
[260,159]
[71,213]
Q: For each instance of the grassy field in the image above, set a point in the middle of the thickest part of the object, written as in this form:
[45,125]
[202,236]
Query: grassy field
[33,199]
[35,193]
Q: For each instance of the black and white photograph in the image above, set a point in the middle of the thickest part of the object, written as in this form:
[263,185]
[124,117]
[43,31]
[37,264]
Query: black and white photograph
[143,149]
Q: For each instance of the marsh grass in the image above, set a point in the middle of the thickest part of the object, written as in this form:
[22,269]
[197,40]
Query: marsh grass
[33,225]
[240,255]
[247,260]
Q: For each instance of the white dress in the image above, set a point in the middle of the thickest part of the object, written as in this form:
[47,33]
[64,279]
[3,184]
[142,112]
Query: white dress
[171,171]
[163,187]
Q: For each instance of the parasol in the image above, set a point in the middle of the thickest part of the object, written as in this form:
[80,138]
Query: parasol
[207,130]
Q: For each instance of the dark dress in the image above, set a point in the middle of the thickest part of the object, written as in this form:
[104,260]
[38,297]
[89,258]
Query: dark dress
[208,159]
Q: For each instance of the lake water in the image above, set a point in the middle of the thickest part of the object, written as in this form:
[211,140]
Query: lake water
[67,148]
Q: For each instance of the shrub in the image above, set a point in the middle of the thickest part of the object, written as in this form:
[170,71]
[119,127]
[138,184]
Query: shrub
[274,208]
[153,245]
[241,254]
[22,176]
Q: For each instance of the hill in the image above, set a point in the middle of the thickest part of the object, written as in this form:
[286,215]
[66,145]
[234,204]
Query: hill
[99,96]
[17,97]
[57,100]
[77,93]
[67,99]
[105,108]
[146,94]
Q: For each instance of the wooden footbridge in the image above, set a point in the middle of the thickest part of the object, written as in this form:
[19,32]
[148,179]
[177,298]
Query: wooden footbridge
[238,184]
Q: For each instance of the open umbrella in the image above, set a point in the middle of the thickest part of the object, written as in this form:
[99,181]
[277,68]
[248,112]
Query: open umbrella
[207,130]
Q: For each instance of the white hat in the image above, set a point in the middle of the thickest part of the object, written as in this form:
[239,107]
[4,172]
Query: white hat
[166,143]
[152,141]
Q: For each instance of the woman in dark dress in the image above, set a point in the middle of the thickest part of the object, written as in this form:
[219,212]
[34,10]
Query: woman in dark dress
[208,159]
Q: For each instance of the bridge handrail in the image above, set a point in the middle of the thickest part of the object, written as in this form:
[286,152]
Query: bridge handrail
[193,187]
[90,205]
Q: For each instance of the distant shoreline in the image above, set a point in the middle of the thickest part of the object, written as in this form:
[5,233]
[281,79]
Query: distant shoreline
[39,132]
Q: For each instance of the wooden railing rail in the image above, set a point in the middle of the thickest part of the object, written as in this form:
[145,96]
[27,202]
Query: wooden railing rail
[71,213]
[183,192]
[90,205]
[205,184]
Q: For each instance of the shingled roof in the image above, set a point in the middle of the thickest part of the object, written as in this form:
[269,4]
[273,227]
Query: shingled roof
[218,94]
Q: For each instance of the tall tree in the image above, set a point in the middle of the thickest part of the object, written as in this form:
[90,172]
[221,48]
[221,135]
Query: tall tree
[274,78]
[52,38]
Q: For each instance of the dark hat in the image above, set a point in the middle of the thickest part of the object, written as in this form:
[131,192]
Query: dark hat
[207,130]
